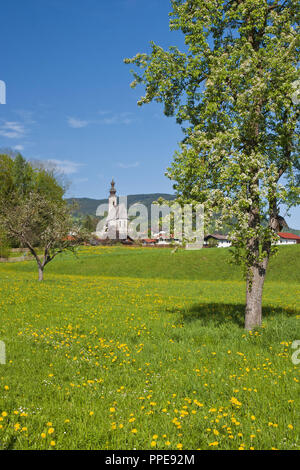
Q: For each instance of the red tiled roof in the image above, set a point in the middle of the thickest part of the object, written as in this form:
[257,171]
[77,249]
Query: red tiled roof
[289,236]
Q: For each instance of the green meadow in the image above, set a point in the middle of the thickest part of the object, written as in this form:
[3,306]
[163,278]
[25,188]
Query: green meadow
[141,348]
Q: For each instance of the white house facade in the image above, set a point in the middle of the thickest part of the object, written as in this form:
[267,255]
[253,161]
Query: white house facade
[287,239]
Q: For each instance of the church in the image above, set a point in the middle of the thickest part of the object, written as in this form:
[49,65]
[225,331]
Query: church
[116,227]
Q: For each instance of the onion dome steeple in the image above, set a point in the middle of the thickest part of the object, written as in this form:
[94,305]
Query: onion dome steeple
[113,189]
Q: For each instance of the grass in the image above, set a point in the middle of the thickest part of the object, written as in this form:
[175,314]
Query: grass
[126,348]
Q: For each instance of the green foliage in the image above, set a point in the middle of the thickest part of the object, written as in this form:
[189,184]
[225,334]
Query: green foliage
[233,93]
[19,178]
[90,223]
[33,211]
[4,246]
[212,243]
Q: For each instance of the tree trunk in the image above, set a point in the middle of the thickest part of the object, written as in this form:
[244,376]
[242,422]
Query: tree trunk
[255,284]
[41,273]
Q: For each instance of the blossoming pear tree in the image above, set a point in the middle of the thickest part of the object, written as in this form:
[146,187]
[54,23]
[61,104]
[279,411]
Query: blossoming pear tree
[234,91]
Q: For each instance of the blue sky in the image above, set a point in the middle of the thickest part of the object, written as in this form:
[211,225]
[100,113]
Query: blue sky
[68,93]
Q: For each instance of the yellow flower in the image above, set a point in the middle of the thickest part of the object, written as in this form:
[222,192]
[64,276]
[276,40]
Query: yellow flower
[112,409]
[50,430]
[290,426]
[134,431]
[43,435]
[155,437]
[179,446]
[4,414]
[52,443]
[214,443]
[91,413]
[153,443]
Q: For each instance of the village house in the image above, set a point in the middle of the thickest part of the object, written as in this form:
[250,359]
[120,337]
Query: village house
[287,239]
[221,241]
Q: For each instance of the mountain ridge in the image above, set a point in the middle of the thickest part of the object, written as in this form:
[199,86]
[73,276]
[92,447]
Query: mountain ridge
[88,206]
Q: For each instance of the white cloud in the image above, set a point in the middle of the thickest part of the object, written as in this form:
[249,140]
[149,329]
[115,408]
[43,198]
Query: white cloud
[77,123]
[65,167]
[25,115]
[128,165]
[12,130]
[108,118]
[116,118]
[80,180]
[19,148]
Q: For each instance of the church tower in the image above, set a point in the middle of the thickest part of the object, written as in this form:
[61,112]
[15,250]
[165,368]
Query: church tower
[117,219]
[112,200]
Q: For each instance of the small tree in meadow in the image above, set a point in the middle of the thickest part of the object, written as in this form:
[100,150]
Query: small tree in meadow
[33,211]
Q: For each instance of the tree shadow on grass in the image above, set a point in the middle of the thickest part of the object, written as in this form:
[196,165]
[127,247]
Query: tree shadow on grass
[218,313]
